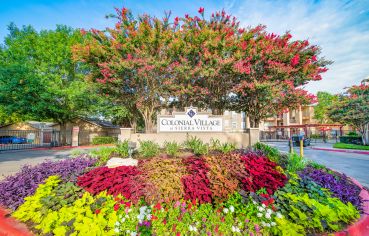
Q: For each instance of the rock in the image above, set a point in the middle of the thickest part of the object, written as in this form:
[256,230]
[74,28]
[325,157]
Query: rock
[115,162]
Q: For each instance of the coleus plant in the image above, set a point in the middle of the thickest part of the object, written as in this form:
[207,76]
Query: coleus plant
[15,188]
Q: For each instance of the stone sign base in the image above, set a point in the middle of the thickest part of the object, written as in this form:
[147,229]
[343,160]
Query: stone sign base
[240,139]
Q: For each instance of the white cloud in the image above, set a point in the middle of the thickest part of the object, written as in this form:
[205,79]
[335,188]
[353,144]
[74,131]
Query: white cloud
[340,28]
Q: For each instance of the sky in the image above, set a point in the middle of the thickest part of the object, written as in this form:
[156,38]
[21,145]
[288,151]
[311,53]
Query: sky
[340,28]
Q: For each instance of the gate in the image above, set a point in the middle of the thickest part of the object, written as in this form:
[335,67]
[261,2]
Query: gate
[26,139]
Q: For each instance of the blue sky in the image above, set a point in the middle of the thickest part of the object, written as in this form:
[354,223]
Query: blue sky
[341,28]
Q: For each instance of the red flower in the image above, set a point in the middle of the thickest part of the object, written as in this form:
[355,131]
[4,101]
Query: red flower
[116,207]
[178,234]
[201,10]
[157,206]
[97,211]
[154,218]
[165,221]
[313,58]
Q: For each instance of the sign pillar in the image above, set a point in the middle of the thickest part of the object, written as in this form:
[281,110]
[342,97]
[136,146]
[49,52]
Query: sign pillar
[75,134]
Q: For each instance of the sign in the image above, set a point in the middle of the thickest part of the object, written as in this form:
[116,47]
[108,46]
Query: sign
[190,121]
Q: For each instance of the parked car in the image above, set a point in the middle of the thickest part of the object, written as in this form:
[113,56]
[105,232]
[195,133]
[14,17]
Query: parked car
[12,140]
[296,140]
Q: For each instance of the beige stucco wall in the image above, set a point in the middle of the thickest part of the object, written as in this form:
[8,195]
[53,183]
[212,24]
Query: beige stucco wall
[240,139]
[18,126]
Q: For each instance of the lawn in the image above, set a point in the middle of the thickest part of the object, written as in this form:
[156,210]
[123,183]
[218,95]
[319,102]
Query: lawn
[350,146]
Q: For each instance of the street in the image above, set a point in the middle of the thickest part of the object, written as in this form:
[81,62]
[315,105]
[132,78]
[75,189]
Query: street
[351,164]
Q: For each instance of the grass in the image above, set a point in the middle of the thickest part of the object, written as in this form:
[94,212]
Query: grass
[350,146]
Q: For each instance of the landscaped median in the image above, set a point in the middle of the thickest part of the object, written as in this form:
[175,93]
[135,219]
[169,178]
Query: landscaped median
[350,146]
[219,191]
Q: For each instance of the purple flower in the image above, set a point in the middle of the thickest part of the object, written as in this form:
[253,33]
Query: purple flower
[15,188]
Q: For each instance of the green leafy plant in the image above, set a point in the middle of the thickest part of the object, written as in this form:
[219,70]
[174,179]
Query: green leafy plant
[216,145]
[77,152]
[172,148]
[102,154]
[122,148]
[104,140]
[350,146]
[148,149]
[271,152]
[295,162]
[197,146]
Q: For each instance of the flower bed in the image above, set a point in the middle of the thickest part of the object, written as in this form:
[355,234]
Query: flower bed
[239,193]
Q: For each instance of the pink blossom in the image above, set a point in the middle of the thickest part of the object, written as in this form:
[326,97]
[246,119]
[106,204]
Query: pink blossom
[295,60]
[201,10]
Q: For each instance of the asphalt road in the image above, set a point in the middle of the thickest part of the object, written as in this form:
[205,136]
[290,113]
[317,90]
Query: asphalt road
[12,161]
[351,164]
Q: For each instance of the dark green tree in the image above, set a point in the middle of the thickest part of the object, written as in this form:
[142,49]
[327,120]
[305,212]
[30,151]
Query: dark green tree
[325,100]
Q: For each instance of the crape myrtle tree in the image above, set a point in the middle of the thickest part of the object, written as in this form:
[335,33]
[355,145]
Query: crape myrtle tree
[39,79]
[148,63]
[131,62]
[270,72]
[352,108]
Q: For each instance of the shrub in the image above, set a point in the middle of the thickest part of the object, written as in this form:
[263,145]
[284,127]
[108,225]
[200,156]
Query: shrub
[295,162]
[340,185]
[122,148]
[77,152]
[104,140]
[148,149]
[351,140]
[15,188]
[350,146]
[172,148]
[115,181]
[262,174]
[102,154]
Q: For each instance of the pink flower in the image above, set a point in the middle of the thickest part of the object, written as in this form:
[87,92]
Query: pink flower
[201,10]
[295,60]
[313,58]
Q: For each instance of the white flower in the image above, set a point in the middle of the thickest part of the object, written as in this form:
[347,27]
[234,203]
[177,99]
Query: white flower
[231,208]
[225,210]
[269,211]
[279,215]
[254,202]
[267,225]
[263,205]
[267,216]
[128,231]
[116,230]
[129,210]
[123,219]
[235,229]
[259,215]
[192,228]
[263,223]
[133,234]
[117,223]
[273,224]
[197,223]
[260,209]
[148,216]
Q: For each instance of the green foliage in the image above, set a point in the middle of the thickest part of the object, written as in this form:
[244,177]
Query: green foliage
[315,216]
[63,195]
[38,77]
[102,154]
[295,163]
[148,149]
[271,152]
[172,148]
[196,145]
[104,140]
[350,146]
[325,100]
[222,147]
[122,148]
[30,210]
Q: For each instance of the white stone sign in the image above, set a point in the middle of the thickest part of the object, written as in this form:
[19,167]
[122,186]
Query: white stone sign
[190,121]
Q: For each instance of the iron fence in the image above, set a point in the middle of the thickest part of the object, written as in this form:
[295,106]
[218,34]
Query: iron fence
[26,139]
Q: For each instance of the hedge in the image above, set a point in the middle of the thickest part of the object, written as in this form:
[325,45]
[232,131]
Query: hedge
[350,146]
[104,140]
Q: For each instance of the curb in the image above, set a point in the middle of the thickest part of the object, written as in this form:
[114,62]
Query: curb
[341,150]
[10,226]
[56,148]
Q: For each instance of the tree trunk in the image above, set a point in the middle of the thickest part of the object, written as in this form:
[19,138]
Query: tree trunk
[254,122]
[133,123]
[63,133]
[147,116]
